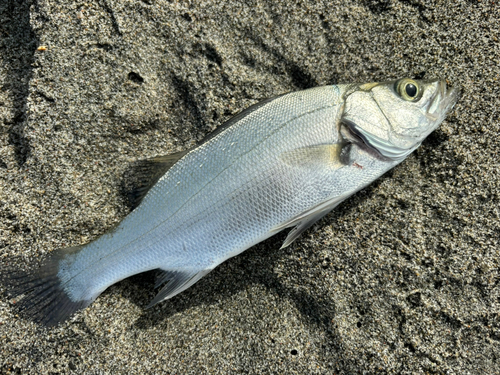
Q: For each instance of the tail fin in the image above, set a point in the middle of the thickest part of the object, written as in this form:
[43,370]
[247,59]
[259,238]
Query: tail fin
[45,300]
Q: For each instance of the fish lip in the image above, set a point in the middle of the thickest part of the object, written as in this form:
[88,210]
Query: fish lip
[447,99]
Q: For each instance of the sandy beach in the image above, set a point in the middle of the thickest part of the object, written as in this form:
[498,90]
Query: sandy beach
[402,278]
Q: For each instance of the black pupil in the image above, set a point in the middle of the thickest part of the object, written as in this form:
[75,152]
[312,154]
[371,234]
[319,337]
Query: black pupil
[411,90]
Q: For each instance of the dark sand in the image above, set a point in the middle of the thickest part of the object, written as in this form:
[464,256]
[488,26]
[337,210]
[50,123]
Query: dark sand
[402,278]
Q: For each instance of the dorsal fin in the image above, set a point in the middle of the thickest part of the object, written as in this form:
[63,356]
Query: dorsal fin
[143,174]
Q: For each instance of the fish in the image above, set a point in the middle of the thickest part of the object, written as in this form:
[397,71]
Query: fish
[282,163]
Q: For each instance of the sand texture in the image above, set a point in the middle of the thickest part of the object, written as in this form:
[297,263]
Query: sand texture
[402,278]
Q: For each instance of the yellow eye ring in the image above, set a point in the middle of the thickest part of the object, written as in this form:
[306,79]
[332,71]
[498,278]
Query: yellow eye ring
[409,89]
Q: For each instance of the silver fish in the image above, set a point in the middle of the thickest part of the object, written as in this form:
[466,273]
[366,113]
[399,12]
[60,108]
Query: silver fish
[282,163]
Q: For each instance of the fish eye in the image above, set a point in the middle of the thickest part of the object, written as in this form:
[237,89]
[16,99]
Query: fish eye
[408,89]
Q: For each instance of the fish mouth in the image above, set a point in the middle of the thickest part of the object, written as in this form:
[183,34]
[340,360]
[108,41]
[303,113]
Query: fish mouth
[441,102]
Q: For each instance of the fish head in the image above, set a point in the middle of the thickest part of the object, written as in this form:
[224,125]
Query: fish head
[393,118]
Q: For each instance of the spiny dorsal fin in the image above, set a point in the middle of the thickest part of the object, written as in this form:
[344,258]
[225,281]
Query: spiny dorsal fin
[143,174]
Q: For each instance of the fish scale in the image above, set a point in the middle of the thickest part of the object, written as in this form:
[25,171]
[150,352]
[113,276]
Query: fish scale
[285,162]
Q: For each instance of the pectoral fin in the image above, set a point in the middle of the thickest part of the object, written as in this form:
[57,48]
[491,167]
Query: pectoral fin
[305,220]
[327,154]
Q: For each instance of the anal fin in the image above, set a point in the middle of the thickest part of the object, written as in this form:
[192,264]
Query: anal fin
[178,281]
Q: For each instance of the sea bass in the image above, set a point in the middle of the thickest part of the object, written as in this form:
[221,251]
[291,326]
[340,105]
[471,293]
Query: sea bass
[282,163]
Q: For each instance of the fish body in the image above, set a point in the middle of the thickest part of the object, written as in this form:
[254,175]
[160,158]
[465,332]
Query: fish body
[285,162]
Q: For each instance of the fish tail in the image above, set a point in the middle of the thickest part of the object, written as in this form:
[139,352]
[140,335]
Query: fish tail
[45,296]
